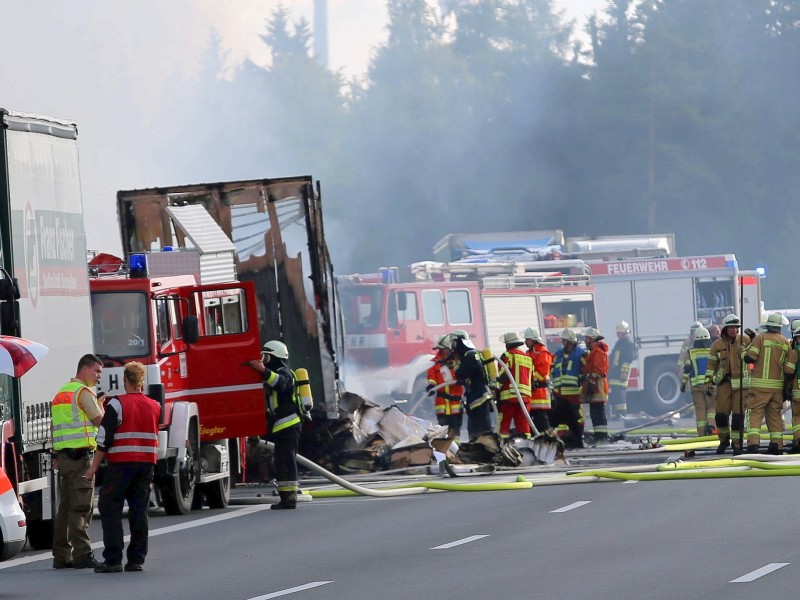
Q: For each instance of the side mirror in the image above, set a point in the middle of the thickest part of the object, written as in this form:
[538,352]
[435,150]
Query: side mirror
[402,301]
[191,330]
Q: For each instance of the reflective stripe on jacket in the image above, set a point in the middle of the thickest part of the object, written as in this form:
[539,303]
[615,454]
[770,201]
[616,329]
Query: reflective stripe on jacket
[770,351]
[694,368]
[72,427]
[448,398]
[567,370]
[281,403]
[520,365]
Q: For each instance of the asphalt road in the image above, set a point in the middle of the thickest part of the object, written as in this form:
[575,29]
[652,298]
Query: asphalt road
[701,539]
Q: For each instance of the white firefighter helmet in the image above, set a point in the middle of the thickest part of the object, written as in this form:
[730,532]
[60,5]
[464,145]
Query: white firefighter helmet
[276,349]
[731,320]
[695,326]
[592,334]
[701,333]
[775,322]
[568,335]
[623,327]
[531,333]
[459,334]
[511,337]
[443,342]
[796,331]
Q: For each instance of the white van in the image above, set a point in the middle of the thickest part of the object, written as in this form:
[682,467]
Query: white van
[12,520]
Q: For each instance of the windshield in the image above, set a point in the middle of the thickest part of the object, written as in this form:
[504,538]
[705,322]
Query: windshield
[120,324]
[361,308]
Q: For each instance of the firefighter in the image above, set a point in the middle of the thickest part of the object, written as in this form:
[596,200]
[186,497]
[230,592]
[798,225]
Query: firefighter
[594,385]
[792,388]
[619,369]
[128,440]
[520,364]
[285,415]
[694,372]
[724,381]
[540,379]
[767,353]
[471,373]
[447,400]
[567,364]
[687,343]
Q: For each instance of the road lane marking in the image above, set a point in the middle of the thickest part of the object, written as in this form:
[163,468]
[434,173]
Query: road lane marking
[153,532]
[299,588]
[631,481]
[466,540]
[765,570]
[564,509]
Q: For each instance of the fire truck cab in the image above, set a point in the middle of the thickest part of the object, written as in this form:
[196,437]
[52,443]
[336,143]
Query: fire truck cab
[194,328]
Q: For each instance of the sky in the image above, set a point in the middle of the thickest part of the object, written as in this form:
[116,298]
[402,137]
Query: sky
[114,66]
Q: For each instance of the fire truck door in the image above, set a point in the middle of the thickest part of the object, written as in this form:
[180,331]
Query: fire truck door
[405,328]
[229,393]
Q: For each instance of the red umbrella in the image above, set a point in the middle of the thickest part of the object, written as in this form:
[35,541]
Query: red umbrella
[18,355]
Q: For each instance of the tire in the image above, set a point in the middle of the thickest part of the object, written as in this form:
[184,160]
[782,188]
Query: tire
[40,534]
[662,387]
[421,404]
[179,487]
[218,493]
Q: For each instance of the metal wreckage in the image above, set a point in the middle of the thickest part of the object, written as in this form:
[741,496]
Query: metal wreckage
[277,229]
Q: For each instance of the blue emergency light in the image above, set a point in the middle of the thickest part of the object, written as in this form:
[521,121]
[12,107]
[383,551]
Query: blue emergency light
[137,266]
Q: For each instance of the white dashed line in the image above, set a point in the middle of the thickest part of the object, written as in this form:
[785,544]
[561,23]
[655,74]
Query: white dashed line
[564,509]
[765,570]
[466,540]
[299,588]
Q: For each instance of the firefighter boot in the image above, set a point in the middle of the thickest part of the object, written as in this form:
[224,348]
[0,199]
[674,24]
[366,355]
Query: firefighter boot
[773,449]
[723,445]
[737,450]
[710,430]
[288,501]
[795,449]
[752,449]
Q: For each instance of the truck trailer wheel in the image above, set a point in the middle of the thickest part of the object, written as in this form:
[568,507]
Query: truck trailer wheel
[40,534]
[662,387]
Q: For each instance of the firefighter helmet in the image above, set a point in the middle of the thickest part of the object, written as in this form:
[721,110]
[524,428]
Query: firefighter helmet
[695,326]
[531,333]
[443,342]
[276,349]
[459,334]
[623,327]
[592,334]
[511,338]
[796,331]
[774,322]
[731,320]
[568,335]
[701,333]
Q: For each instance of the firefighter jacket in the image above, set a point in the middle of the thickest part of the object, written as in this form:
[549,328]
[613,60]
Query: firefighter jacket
[72,427]
[595,371]
[283,405]
[790,369]
[619,363]
[472,374]
[566,372]
[770,351]
[520,364]
[695,365]
[540,377]
[724,362]
[448,398]
[129,430]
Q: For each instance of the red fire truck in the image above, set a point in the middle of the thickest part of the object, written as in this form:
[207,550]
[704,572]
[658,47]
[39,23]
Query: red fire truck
[393,318]
[186,318]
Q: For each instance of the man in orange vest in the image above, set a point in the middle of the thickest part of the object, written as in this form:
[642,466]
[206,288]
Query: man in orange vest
[75,415]
[594,386]
[447,402]
[540,379]
[519,364]
[128,440]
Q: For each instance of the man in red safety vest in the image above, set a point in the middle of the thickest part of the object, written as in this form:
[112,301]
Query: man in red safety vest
[447,399]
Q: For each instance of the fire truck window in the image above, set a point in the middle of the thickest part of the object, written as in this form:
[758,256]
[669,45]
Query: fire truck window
[433,307]
[224,312]
[567,312]
[163,329]
[361,307]
[119,324]
[714,300]
[402,308]
[459,311]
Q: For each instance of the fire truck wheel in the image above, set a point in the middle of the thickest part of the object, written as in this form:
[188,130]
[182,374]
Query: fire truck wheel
[40,534]
[179,489]
[218,493]
[662,387]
